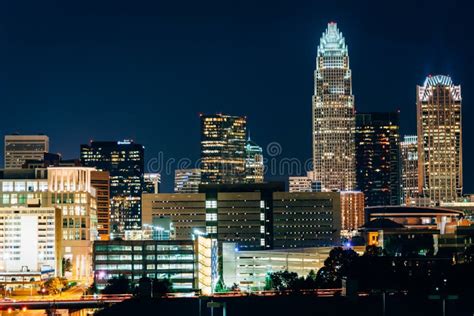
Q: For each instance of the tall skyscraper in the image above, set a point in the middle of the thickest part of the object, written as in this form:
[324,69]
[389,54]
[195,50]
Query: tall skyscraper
[124,160]
[409,160]
[333,114]
[223,149]
[20,148]
[378,157]
[439,139]
[187,180]
[254,168]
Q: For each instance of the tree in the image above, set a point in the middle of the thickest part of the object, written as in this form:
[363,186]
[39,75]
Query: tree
[235,287]
[144,287]
[53,285]
[66,265]
[120,285]
[92,289]
[220,286]
[283,280]
[162,287]
[336,266]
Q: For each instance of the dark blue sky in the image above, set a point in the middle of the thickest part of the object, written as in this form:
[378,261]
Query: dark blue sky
[105,70]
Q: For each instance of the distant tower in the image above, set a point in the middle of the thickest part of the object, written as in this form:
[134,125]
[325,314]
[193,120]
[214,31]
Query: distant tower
[151,182]
[187,180]
[124,160]
[333,114]
[20,148]
[439,139]
[223,149]
[377,140]
[253,162]
[409,160]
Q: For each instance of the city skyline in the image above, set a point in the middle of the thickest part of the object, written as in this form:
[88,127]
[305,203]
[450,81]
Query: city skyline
[420,56]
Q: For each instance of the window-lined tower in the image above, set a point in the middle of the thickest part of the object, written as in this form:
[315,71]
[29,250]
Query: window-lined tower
[333,114]
[223,149]
[409,160]
[439,139]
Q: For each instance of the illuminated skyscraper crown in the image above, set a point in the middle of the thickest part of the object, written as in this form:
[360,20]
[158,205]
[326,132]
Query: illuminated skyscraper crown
[332,42]
[439,80]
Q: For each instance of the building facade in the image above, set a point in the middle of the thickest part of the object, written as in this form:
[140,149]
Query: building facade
[254,168]
[439,139]
[72,192]
[333,114]
[187,180]
[249,269]
[20,148]
[304,184]
[255,216]
[100,181]
[378,158]
[151,182]
[124,160]
[306,219]
[186,211]
[223,149]
[30,239]
[352,212]
[191,265]
[409,161]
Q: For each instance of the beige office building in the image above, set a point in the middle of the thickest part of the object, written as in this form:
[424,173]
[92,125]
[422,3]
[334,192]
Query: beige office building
[19,148]
[439,120]
[72,191]
[186,211]
[255,216]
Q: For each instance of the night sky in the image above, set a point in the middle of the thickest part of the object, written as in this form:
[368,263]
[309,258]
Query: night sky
[110,70]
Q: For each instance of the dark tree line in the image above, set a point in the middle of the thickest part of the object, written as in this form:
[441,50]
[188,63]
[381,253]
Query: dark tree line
[377,271]
[146,287]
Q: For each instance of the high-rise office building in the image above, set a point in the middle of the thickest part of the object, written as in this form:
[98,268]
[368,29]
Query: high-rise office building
[124,160]
[333,114]
[151,182]
[20,148]
[378,157]
[100,180]
[187,180]
[439,139]
[222,149]
[409,160]
[254,168]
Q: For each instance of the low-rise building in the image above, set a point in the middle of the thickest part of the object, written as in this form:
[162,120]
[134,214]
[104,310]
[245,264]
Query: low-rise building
[191,265]
[250,269]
